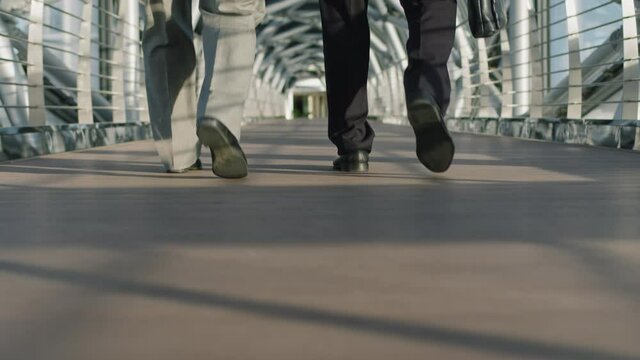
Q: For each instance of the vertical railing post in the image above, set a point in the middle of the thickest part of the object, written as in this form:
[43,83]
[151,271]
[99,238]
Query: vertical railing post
[140,90]
[120,65]
[133,57]
[85,102]
[507,76]
[631,76]
[465,49]
[631,86]
[467,84]
[374,85]
[35,59]
[485,109]
[520,29]
[536,67]
[574,103]
[402,101]
[392,91]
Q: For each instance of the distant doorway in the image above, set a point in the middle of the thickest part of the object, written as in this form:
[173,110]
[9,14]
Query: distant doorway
[310,105]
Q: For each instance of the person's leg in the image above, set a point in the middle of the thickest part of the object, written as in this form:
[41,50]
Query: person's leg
[229,43]
[432,25]
[170,60]
[345,31]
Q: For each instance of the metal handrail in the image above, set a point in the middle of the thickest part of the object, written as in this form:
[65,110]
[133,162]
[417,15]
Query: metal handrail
[56,56]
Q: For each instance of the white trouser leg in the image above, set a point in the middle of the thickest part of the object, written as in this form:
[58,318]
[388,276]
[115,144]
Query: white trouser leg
[170,61]
[229,43]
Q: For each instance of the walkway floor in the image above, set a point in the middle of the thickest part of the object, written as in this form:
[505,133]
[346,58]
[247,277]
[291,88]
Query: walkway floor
[523,250]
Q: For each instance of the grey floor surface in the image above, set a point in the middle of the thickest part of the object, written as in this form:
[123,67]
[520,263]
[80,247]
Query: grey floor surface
[523,250]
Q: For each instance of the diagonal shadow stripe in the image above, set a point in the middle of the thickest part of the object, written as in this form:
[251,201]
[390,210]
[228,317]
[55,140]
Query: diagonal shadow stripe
[420,332]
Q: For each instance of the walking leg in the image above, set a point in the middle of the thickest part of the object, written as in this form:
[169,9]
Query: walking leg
[170,60]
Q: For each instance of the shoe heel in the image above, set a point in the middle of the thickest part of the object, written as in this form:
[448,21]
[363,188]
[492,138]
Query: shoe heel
[355,167]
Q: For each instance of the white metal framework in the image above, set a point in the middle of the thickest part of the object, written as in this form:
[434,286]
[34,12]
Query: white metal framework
[563,70]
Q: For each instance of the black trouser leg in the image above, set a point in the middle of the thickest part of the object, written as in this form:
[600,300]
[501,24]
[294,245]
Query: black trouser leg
[432,26]
[345,31]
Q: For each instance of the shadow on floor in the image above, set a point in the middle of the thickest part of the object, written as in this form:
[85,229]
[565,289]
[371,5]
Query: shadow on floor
[421,332]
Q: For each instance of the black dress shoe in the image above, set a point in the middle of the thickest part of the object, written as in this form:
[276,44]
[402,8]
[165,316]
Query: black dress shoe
[227,156]
[353,162]
[434,145]
[196,166]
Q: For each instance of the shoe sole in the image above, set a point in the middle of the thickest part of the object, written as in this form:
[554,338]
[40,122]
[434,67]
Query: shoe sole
[228,158]
[195,167]
[356,167]
[434,146]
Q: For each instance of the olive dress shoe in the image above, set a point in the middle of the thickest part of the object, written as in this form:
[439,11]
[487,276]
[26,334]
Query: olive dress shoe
[227,156]
[353,162]
[196,166]
[434,145]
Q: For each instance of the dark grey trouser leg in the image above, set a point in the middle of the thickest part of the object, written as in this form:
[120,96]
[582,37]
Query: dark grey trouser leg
[432,26]
[345,31]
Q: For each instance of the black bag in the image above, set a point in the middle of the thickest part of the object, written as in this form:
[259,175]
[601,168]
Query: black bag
[486,17]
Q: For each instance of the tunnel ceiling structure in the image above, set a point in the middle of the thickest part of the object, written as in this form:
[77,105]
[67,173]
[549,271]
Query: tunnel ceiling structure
[290,39]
